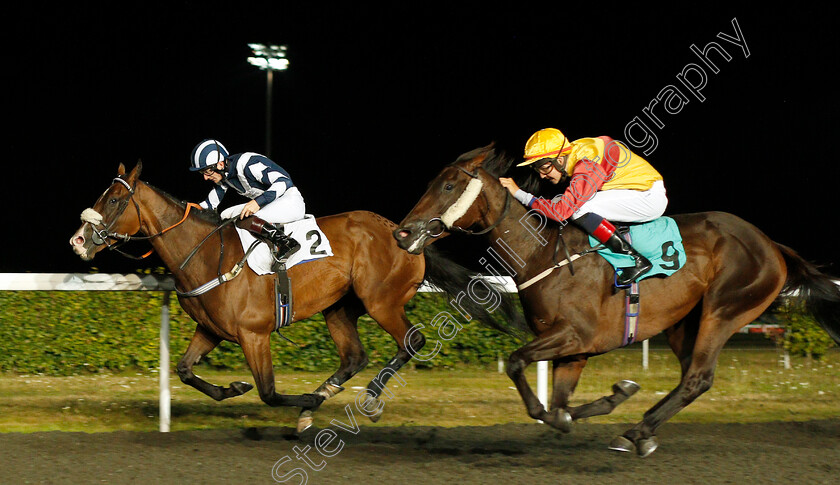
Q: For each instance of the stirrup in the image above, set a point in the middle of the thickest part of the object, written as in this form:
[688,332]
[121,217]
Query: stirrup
[281,254]
[639,273]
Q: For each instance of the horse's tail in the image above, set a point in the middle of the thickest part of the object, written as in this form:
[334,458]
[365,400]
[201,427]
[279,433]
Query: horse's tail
[816,290]
[454,280]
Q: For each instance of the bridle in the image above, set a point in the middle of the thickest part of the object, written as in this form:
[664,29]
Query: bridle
[473,175]
[101,236]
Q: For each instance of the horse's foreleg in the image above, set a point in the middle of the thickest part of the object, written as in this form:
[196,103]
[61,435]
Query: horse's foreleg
[257,350]
[556,343]
[394,320]
[200,345]
[566,375]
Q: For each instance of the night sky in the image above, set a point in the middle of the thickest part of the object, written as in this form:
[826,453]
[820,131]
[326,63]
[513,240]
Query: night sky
[378,100]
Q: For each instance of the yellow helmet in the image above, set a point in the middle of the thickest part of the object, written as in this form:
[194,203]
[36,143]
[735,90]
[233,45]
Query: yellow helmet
[546,143]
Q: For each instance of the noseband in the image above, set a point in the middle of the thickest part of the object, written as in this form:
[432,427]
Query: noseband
[473,175]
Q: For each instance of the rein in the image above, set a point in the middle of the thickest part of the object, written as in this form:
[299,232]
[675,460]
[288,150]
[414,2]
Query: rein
[559,264]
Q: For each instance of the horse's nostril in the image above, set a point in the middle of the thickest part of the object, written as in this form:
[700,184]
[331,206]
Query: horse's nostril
[77,241]
[403,234]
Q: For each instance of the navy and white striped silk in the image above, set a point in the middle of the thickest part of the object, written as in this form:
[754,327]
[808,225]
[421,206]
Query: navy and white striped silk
[254,176]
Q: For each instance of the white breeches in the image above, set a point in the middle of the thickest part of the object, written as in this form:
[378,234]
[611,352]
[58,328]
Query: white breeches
[621,205]
[286,208]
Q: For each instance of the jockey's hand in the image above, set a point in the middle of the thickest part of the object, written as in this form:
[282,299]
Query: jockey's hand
[249,209]
[509,184]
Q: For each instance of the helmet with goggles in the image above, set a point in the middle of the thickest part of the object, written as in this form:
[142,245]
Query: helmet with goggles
[544,146]
[207,154]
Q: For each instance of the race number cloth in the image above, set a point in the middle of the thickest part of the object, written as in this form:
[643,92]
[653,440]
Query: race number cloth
[313,245]
[658,240]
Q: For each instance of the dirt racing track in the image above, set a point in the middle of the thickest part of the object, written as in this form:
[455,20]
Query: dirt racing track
[779,452]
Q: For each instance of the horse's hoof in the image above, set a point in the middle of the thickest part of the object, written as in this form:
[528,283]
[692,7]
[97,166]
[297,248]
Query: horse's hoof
[305,420]
[626,387]
[646,446]
[622,444]
[241,387]
[561,419]
[374,404]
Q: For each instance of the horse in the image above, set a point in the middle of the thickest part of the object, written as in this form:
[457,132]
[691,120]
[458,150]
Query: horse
[733,274]
[368,273]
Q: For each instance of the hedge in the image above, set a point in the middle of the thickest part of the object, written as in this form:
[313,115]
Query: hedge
[65,333]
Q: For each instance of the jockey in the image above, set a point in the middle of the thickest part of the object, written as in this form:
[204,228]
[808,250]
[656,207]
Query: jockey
[607,182]
[274,198]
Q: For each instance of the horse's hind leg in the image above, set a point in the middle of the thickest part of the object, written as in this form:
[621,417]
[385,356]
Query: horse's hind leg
[341,321]
[200,345]
[697,349]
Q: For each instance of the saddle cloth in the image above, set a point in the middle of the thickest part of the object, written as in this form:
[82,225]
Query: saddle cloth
[313,245]
[658,240]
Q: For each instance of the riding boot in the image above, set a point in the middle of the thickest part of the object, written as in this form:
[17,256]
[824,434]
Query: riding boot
[619,245]
[605,232]
[284,246]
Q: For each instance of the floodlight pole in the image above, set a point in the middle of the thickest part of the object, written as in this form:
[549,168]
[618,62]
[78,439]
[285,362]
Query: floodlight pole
[268,108]
[269,58]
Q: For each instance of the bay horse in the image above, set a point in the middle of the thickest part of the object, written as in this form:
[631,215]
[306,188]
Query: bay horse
[732,275]
[368,273]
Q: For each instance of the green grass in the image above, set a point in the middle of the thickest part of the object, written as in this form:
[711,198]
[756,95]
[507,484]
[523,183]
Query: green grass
[750,386]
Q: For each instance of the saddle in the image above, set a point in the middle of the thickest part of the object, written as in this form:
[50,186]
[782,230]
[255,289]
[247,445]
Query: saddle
[263,260]
[659,241]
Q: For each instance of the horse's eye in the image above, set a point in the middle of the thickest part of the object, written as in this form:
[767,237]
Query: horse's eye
[113,201]
[448,187]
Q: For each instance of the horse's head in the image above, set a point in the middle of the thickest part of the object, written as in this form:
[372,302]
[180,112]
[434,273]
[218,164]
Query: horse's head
[109,220]
[451,201]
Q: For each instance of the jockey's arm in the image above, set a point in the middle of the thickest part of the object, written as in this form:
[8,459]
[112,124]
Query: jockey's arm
[278,184]
[214,198]
[585,182]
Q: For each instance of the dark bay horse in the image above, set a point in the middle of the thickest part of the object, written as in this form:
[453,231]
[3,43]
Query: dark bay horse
[367,274]
[732,275]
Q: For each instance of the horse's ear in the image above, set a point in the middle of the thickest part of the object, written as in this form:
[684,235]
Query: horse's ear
[478,156]
[135,173]
[121,170]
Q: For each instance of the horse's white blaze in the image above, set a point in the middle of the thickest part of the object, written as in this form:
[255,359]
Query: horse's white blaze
[91,216]
[464,202]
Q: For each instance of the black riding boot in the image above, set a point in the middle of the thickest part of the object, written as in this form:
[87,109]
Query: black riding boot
[605,232]
[619,245]
[283,244]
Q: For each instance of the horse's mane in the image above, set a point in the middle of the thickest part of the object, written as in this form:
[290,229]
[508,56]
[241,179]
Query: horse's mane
[499,163]
[207,215]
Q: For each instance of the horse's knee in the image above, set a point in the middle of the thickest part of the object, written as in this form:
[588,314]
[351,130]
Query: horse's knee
[358,362]
[414,343]
[184,371]
[516,365]
[351,364]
